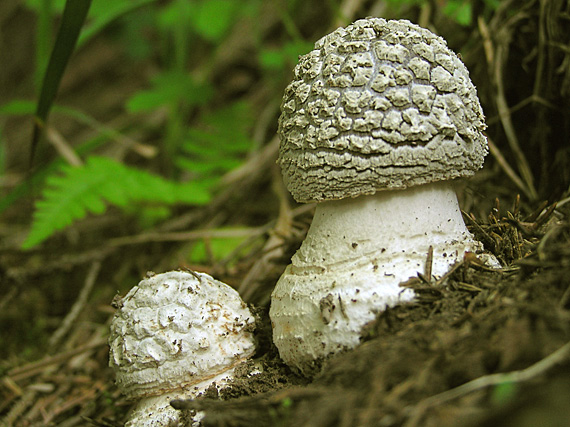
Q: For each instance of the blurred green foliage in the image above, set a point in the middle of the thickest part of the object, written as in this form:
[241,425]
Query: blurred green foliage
[72,192]
[201,138]
[74,16]
[504,393]
[170,89]
[276,59]
[215,249]
[218,143]
[459,10]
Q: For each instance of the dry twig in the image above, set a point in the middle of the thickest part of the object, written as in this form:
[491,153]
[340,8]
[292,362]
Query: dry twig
[416,413]
[75,311]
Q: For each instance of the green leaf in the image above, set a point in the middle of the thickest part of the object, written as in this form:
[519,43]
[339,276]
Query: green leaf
[218,247]
[193,192]
[104,13]
[101,13]
[492,4]
[18,107]
[176,13]
[2,157]
[295,48]
[170,88]
[459,10]
[504,393]
[36,5]
[284,57]
[72,20]
[35,182]
[272,59]
[405,2]
[74,192]
[214,18]
[219,142]
[149,216]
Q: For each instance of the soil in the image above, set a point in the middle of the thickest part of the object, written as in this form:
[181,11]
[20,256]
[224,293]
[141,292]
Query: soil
[480,348]
[458,337]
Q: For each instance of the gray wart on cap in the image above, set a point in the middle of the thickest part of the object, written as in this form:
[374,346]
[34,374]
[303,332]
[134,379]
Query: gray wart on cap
[378,105]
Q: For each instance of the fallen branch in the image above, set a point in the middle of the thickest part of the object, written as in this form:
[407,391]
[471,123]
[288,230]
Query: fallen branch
[415,414]
[77,308]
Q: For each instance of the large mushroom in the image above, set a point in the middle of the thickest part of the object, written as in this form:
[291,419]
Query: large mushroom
[378,120]
[173,336]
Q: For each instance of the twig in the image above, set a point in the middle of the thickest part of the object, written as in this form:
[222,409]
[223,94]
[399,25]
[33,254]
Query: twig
[62,262]
[144,150]
[484,236]
[565,298]
[17,374]
[7,298]
[346,12]
[496,153]
[260,401]
[187,235]
[429,263]
[63,147]
[426,11]
[507,123]
[486,381]
[275,241]
[452,270]
[300,210]
[540,51]
[486,38]
[562,202]
[253,165]
[70,403]
[532,99]
[495,60]
[11,385]
[262,127]
[541,248]
[19,408]
[71,317]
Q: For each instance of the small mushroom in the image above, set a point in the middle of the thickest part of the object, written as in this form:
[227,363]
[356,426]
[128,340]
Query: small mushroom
[378,120]
[173,336]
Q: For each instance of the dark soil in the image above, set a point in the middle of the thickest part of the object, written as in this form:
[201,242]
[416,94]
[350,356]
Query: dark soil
[477,325]
[481,348]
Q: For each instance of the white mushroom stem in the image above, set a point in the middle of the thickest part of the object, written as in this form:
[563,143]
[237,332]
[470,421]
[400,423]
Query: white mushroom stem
[157,411]
[405,222]
[355,255]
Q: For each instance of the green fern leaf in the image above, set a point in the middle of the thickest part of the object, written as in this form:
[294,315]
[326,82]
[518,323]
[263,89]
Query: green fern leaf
[219,143]
[76,191]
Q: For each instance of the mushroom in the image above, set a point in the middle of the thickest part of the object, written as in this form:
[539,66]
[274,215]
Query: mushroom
[173,336]
[378,120]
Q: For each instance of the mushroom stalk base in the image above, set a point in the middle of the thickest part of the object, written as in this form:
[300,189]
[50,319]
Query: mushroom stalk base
[349,267]
[155,411]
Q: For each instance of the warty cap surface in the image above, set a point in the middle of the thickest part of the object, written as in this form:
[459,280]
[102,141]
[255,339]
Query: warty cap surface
[378,105]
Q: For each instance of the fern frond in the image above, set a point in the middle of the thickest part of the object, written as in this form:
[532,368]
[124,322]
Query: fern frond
[76,191]
[219,143]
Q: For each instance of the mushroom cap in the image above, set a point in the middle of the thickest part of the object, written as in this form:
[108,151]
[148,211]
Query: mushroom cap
[175,330]
[378,105]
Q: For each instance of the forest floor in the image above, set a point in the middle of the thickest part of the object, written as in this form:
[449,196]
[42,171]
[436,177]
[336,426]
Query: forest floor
[481,348]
